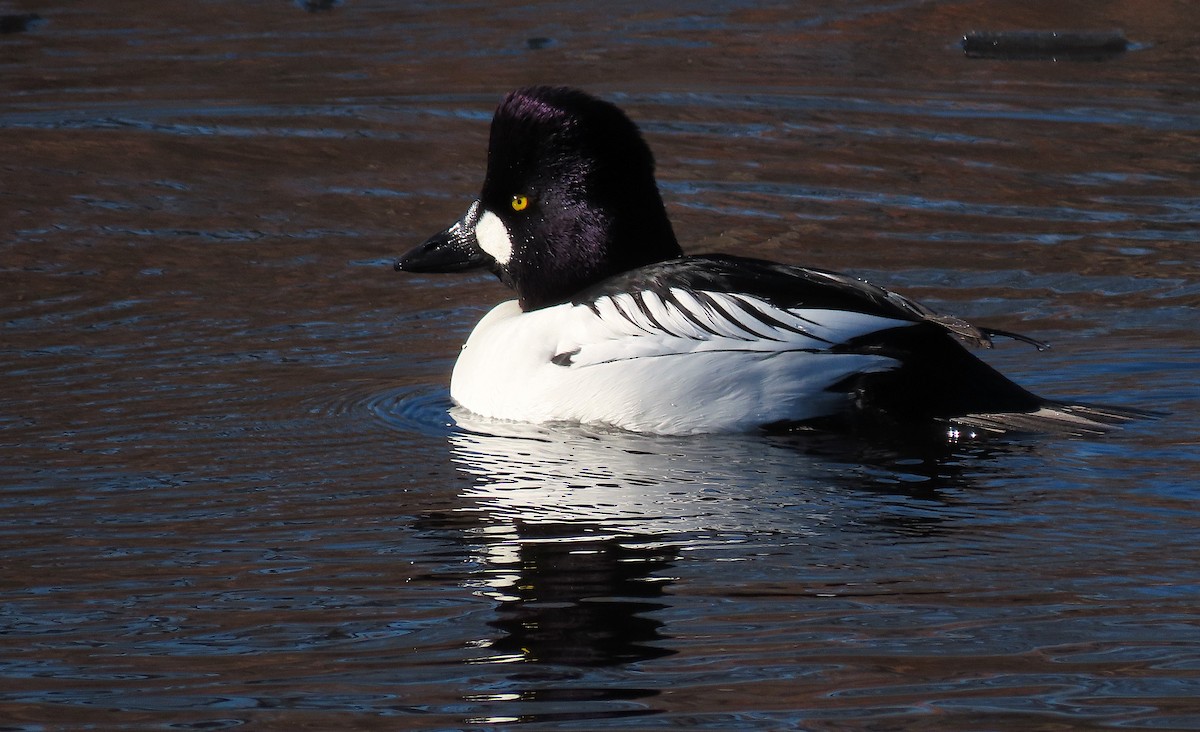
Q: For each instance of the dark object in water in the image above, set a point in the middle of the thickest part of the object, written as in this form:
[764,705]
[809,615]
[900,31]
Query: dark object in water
[538,43]
[1073,45]
[317,6]
[19,23]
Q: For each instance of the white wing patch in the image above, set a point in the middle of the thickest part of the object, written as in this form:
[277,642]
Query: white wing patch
[679,321]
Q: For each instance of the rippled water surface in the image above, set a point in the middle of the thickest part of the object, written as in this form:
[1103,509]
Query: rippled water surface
[232,491]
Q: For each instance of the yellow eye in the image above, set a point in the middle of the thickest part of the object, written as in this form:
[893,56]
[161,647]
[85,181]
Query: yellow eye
[520,203]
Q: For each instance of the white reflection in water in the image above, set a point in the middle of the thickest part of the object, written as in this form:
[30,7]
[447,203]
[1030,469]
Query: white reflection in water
[578,529]
[623,482]
[726,485]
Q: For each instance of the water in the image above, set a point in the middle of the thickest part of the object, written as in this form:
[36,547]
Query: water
[232,492]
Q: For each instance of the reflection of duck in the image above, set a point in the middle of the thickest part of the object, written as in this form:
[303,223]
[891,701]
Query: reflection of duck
[577,527]
[621,482]
[713,488]
[583,538]
[614,326]
[573,550]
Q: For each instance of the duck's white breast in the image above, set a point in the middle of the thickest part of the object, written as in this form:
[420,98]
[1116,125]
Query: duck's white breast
[645,365]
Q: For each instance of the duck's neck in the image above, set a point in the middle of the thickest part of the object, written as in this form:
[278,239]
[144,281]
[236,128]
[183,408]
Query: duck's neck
[592,255]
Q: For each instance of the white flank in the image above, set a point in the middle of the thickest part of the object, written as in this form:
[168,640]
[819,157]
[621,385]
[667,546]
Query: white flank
[661,371]
[493,237]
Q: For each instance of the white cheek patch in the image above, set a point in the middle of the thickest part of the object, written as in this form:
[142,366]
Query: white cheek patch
[493,237]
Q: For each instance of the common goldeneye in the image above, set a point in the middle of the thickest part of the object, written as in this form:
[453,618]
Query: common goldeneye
[613,325]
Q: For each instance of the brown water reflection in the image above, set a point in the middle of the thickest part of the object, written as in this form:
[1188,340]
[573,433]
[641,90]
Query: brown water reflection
[230,492]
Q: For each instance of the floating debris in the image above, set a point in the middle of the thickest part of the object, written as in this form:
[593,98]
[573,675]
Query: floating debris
[19,23]
[317,6]
[538,43]
[1053,45]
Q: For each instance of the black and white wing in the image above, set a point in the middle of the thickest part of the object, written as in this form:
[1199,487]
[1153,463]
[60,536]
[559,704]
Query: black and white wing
[677,320]
[911,361]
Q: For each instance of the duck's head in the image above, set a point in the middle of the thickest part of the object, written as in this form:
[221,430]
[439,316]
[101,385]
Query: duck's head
[569,199]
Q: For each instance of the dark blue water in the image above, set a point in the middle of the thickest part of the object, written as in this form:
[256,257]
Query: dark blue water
[234,492]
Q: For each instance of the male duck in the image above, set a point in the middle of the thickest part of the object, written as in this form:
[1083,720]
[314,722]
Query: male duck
[613,325]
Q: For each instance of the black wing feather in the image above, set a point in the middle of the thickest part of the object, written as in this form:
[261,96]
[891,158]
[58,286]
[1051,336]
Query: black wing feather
[784,286]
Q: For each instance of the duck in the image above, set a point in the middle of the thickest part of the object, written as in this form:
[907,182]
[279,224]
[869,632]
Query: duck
[613,326]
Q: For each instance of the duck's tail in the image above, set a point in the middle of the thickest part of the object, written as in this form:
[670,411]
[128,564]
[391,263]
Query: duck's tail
[1054,418]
